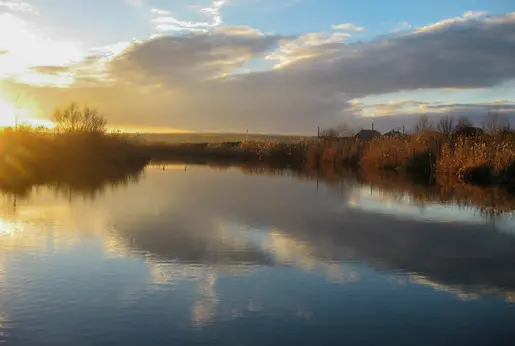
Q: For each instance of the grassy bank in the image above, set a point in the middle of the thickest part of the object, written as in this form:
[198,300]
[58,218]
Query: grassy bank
[35,157]
[77,150]
[79,144]
[278,153]
[476,159]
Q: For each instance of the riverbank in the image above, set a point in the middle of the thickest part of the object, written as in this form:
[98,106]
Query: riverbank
[35,156]
[477,160]
[30,158]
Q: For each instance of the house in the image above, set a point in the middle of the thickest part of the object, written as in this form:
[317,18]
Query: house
[366,135]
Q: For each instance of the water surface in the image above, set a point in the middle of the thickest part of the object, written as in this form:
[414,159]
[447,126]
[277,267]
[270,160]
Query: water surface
[193,255]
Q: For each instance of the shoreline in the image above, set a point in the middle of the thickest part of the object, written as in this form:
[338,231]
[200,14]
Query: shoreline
[476,160]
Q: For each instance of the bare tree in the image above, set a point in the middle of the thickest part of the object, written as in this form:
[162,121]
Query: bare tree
[329,133]
[345,130]
[342,130]
[72,119]
[496,123]
[446,125]
[423,124]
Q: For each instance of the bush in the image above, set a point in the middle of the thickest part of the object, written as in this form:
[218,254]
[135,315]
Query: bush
[72,119]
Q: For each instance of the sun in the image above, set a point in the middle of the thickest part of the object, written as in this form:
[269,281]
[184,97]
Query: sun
[10,116]
[7,114]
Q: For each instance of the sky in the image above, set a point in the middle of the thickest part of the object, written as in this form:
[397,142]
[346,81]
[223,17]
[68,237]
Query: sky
[270,66]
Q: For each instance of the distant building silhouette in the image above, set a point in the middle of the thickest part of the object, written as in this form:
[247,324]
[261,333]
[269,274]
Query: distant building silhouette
[393,133]
[366,135]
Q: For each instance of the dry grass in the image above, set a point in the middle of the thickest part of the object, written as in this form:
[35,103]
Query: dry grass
[287,153]
[28,157]
[478,160]
[417,153]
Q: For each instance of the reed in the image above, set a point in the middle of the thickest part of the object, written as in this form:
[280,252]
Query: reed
[473,159]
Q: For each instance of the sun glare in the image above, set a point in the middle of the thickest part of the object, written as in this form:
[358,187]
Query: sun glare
[6,114]
[10,116]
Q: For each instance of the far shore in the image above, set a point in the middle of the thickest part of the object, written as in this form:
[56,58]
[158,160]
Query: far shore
[476,159]
[80,144]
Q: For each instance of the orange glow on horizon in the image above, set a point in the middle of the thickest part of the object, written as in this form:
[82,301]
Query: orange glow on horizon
[145,129]
[10,116]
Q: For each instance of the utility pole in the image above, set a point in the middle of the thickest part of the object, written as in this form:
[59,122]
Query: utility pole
[16,112]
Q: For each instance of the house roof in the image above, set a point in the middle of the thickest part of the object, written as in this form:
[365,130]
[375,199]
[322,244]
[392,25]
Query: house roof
[367,134]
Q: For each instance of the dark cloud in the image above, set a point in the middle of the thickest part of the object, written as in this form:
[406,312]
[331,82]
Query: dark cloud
[181,60]
[491,106]
[460,54]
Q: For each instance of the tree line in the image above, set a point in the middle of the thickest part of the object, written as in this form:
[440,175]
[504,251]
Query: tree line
[494,123]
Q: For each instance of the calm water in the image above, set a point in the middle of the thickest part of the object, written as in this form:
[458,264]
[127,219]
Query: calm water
[220,257]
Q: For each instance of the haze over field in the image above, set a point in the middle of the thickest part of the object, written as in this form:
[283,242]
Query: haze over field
[272,66]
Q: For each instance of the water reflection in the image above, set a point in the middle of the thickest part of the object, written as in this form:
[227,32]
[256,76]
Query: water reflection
[204,246]
[90,184]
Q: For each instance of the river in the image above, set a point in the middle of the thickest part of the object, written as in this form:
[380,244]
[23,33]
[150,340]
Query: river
[198,255]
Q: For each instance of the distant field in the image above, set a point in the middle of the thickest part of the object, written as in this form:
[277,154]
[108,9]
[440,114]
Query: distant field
[212,137]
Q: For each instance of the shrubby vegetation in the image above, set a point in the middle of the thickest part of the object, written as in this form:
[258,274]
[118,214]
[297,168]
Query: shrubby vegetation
[459,151]
[78,146]
[74,120]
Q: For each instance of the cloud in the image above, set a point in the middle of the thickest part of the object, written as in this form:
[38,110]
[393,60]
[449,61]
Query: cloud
[51,69]
[158,12]
[475,14]
[465,54]
[467,16]
[392,107]
[214,11]
[348,27]
[307,46]
[165,22]
[27,45]
[181,60]
[192,81]
[169,23]
[17,5]
[135,3]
